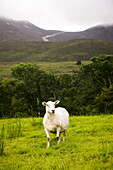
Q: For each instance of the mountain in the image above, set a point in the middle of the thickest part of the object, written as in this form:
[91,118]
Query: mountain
[11,30]
[99,32]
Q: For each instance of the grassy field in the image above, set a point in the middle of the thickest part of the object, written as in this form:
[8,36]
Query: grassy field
[88,145]
[55,67]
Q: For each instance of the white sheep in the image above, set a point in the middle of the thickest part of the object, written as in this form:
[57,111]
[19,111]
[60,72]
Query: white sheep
[56,120]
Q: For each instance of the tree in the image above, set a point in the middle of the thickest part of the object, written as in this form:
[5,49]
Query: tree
[103,70]
[37,85]
[78,62]
[91,79]
[104,101]
[7,93]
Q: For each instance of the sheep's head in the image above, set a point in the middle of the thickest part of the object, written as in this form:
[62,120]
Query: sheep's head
[50,106]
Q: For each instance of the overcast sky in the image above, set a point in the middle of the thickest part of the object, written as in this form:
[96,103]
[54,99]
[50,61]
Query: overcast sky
[64,15]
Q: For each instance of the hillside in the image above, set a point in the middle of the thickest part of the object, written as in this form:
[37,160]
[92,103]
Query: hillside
[12,30]
[82,49]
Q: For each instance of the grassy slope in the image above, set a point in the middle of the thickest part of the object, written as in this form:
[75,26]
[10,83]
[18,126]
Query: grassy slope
[52,56]
[54,52]
[88,145]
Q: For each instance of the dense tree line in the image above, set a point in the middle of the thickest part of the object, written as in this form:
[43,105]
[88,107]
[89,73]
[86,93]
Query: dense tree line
[87,92]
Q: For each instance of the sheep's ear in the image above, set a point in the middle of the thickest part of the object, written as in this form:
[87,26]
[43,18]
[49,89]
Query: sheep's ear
[57,101]
[44,103]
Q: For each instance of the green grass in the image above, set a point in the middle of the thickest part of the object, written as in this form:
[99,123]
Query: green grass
[88,145]
[55,67]
[81,49]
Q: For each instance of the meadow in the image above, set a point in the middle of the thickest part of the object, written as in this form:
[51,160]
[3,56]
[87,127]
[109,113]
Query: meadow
[88,145]
[55,67]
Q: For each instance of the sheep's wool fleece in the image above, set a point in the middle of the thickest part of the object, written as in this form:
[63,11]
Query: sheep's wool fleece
[59,119]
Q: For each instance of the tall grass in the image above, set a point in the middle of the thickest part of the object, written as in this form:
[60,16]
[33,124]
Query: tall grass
[2,141]
[14,128]
[10,130]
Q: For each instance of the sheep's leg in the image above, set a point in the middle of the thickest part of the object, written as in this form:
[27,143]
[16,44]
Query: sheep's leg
[58,135]
[64,135]
[48,144]
[48,138]
[59,138]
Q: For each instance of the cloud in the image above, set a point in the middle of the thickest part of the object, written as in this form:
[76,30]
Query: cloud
[59,14]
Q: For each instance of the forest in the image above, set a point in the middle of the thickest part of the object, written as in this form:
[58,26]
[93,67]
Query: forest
[88,91]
